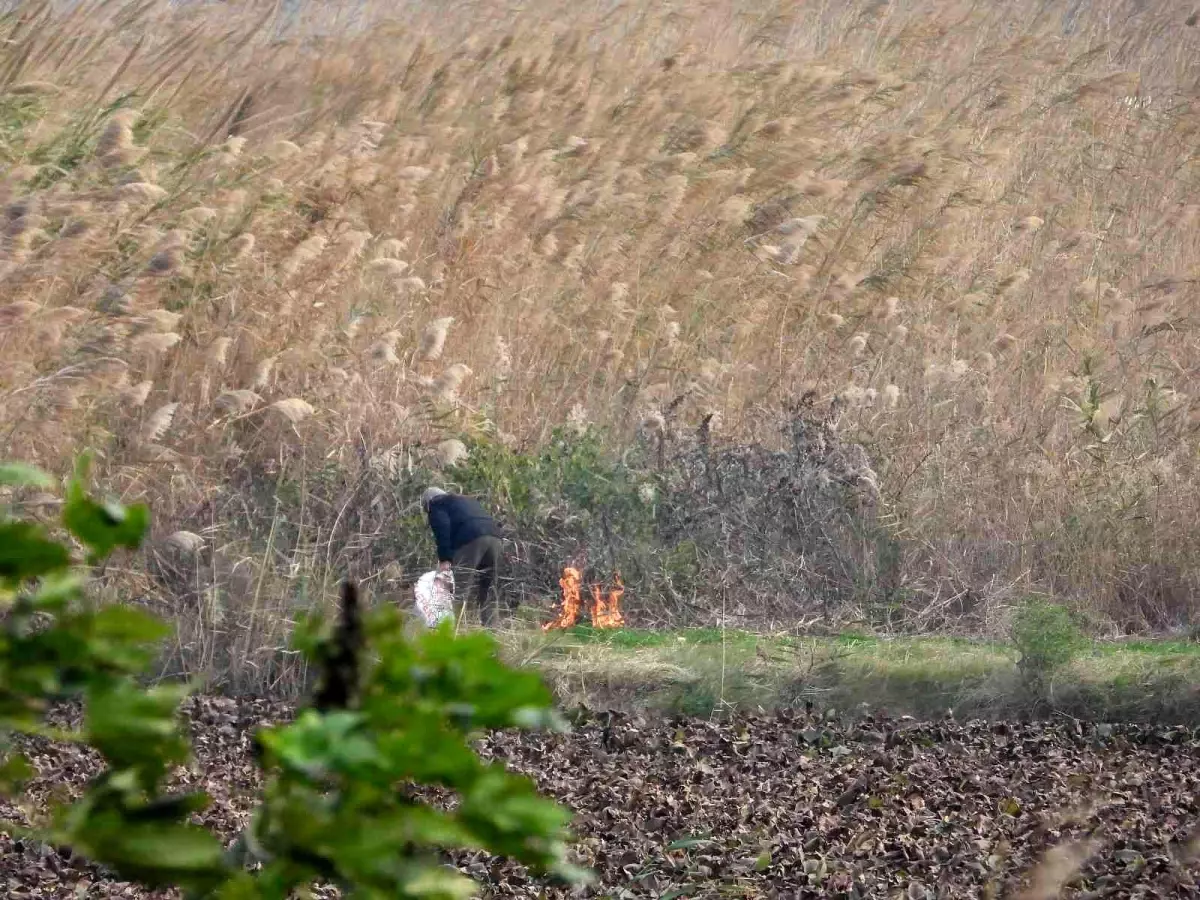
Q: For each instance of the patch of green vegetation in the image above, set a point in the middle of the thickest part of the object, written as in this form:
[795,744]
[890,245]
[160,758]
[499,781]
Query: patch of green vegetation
[181,292]
[150,121]
[274,200]
[905,647]
[1047,638]
[64,152]
[698,671]
[1163,648]
[572,470]
[694,699]
[648,637]
[16,114]
[855,640]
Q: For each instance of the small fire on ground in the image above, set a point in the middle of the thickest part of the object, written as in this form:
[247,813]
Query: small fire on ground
[606,609]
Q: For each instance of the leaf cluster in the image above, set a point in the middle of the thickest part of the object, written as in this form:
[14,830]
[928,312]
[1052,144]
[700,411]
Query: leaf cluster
[347,783]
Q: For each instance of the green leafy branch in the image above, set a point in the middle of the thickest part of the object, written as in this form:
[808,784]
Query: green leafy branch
[392,718]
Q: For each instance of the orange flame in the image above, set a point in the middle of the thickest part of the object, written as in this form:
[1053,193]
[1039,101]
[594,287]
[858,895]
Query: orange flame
[606,613]
[569,614]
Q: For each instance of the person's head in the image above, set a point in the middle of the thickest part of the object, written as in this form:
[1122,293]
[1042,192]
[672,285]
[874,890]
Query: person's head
[429,496]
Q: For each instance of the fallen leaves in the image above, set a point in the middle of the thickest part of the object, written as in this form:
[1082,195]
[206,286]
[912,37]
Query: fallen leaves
[776,806]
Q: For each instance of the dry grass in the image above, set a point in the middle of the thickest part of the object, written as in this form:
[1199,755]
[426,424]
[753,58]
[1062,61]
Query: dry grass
[237,239]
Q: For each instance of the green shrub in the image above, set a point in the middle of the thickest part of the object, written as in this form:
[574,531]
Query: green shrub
[390,716]
[572,472]
[1046,636]
[571,501]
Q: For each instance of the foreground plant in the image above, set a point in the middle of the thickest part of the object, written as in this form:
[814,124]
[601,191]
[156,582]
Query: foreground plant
[390,716]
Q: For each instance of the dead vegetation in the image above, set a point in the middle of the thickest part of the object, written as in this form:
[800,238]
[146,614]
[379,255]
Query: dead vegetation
[785,805]
[283,249]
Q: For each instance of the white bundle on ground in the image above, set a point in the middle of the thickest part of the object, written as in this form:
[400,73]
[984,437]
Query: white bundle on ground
[435,597]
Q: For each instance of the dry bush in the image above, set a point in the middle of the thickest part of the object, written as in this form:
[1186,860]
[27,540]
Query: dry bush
[245,239]
[771,538]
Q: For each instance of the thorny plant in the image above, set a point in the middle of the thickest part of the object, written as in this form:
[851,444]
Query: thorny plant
[296,246]
[778,536]
[390,716]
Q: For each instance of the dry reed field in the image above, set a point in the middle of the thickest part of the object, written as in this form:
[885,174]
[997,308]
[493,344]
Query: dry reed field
[243,243]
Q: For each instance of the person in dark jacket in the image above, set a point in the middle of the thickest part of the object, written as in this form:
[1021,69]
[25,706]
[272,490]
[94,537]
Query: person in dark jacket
[468,543]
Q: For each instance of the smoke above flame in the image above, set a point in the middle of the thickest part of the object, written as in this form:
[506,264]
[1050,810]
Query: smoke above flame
[606,609]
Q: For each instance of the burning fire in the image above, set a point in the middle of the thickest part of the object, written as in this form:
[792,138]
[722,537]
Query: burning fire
[569,614]
[606,611]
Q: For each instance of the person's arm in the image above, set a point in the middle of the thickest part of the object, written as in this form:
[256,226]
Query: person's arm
[443,533]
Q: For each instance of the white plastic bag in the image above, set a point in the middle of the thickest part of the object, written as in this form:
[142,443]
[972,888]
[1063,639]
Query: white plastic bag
[435,597]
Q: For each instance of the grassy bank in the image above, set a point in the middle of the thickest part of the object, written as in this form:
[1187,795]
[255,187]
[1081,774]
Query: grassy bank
[700,671]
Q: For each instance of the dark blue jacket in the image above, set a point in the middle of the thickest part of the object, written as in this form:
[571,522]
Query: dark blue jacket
[456,521]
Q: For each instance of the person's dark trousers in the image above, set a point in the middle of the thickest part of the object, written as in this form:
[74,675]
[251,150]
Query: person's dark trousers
[479,562]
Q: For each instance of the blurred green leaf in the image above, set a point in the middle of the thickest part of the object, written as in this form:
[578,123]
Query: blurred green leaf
[26,551]
[436,882]
[240,886]
[340,801]
[102,527]
[156,854]
[124,638]
[317,745]
[135,728]
[57,589]
[14,772]
[21,475]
